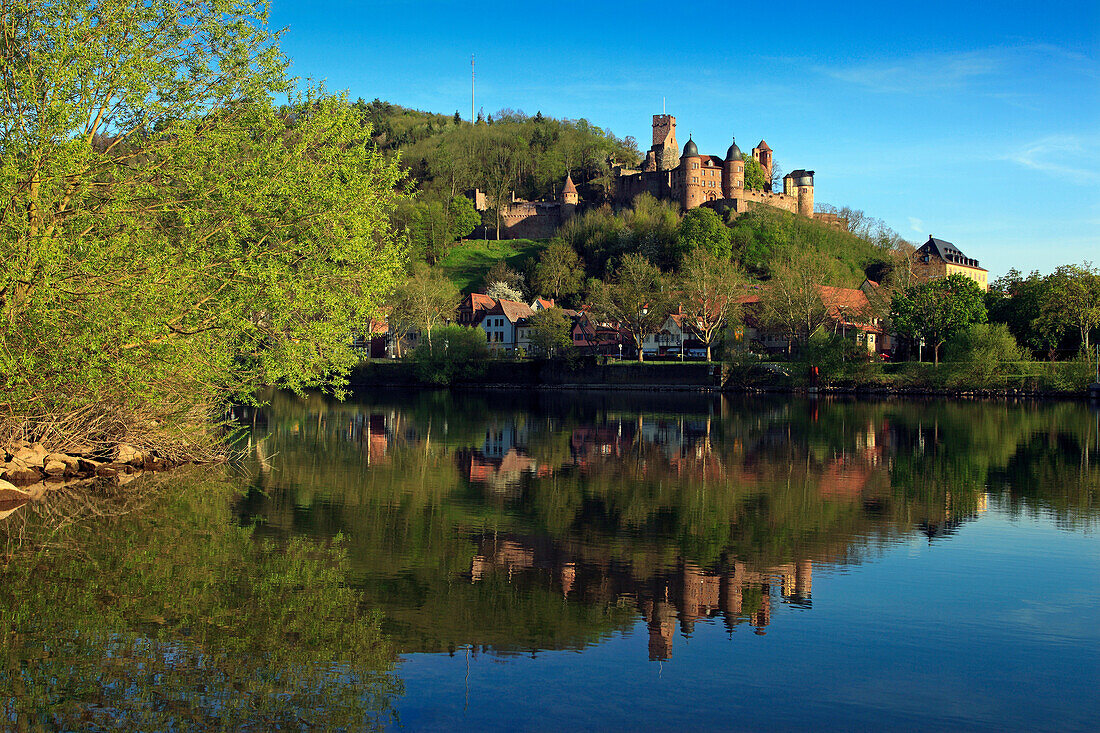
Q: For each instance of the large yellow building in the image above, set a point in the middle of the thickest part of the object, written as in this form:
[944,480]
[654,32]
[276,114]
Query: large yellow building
[937,258]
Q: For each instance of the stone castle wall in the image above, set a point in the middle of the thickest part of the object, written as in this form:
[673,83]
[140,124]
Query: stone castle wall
[778,200]
[531,219]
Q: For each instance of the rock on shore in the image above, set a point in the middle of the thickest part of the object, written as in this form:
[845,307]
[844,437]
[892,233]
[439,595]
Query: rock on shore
[26,463]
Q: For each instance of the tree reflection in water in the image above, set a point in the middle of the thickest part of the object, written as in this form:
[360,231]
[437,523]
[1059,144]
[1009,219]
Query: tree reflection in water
[516,523]
[152,611]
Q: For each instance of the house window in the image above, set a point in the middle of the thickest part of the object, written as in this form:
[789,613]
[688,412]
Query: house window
[488,337]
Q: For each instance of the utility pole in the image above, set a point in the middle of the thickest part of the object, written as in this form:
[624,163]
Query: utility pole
[472,118]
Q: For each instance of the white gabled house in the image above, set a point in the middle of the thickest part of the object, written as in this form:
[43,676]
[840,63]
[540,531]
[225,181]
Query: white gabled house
[675,335]
[501,325]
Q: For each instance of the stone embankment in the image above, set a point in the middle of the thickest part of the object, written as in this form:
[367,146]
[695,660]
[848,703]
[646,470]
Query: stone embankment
[30,470]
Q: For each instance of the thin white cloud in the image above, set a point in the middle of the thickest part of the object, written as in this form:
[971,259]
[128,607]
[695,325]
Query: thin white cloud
[922,73]
[1066,156]
[926,73]
[916,225]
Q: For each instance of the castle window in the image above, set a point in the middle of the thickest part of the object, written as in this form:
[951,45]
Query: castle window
[695,179]
[694,165]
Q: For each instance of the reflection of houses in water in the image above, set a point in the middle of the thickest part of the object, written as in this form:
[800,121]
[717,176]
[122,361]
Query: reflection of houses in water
[501,438]
[844,477]
[678,440]
[502,462]
[507,555]
[504,475]
[372,431]
[734,592]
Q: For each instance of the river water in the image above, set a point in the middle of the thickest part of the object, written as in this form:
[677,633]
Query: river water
[435,560]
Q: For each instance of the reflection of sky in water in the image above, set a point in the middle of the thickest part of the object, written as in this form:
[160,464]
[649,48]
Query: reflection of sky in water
[985,631]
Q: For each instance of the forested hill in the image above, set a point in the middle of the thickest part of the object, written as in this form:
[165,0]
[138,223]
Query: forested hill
[509,151]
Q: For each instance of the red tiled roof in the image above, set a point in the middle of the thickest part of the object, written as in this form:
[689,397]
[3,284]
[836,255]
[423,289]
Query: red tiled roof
[846,305]
[569,187]
[510,309]
[763,146]
[481,300]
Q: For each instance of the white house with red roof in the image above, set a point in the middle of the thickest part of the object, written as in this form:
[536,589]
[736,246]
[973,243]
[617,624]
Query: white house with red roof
[501,324]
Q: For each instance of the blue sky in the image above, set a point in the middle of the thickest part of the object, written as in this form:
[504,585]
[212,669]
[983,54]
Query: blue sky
[978,123]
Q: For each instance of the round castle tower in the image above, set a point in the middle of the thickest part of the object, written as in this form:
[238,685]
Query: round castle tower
[692,193]
[800,183]
[733,173]
[569,198]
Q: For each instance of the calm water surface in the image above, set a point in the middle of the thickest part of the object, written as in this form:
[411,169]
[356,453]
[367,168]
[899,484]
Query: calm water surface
[579,561]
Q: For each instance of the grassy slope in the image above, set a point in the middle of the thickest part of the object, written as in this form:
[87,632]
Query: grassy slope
[467,262]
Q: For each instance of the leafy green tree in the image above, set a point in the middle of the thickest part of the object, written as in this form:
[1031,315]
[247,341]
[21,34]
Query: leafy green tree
[172,239]
[754,174]
[791,303]
[703,228]
[560,270]
[1072,300]
[426,228]
[602,236]
[550,331]
[635,297]
[984,355]
[423,302]
[457,353]
[1017,302]
[709,287]
[429,227]
[830,353]
[464,217]
[504,162]
[938,310]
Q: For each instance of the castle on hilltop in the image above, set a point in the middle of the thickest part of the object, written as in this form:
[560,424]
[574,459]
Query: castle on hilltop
[693,179]
[688,178]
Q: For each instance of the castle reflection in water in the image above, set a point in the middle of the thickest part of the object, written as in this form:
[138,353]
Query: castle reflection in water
[686,595]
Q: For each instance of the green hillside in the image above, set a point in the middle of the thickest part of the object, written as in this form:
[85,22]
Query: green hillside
[467,262]
[765,236]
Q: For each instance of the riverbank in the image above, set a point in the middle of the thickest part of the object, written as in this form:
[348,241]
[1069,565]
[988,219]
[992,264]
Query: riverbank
[916,380]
